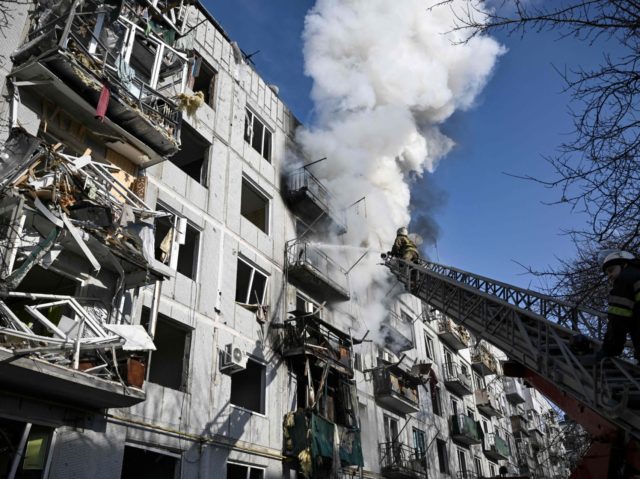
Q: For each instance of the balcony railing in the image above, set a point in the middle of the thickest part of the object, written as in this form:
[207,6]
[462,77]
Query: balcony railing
[457,380]
[487,403]
[312,201]
[456,337]
[465,430]
[397,333]
[519,425]
[496,448]
[482,361]
[514,391]
[320,275]
[399,461]
[396,389]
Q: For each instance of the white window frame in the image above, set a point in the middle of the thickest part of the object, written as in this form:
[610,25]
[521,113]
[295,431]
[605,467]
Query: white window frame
[429,347]
[251,115]
[249,467]
[254,268]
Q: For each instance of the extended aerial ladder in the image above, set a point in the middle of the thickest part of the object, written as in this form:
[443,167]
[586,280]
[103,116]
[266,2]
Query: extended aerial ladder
[602,396]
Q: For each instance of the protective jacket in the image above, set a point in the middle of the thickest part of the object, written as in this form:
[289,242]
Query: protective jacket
[624,297]
[402,245]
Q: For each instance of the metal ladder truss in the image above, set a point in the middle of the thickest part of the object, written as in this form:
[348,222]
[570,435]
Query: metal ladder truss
[527,327]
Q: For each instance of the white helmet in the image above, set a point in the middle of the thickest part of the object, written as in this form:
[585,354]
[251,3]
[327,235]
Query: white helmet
[403,231]
[616,257]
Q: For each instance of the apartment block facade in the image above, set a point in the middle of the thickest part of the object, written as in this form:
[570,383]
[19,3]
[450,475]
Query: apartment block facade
[165,311]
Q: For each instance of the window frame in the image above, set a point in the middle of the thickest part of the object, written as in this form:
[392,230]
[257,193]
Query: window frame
[429,346]
[256,190]
[263,389]
[254,268]
[249,468]
[443,456]
[249,130]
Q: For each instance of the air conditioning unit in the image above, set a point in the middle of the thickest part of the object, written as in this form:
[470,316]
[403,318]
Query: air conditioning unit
[233,359]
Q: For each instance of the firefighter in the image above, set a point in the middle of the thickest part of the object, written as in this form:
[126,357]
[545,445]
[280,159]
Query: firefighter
[623,273]
[403,247]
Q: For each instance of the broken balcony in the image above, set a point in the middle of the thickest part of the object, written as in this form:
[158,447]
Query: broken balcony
[60,347]
[487,403]
[399,461]
[482,361]
[519,425]
[457,379]
[396,389]
[101,60]
[514,391]
[454,336]
[312,202]
[308,335]
[397,333]
[311,269]
[495,448]
[465,430]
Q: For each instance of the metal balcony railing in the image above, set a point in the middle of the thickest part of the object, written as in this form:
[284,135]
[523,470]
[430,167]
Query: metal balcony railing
[495,447]
[453,335]
[487,403]
[483,361]
[397,331]
[457,380]
[400,460]
[465,430]
[319,273]
[514,391]
[395,389]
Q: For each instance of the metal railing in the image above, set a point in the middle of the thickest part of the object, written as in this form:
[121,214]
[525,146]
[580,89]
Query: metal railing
[400,325]
[302,179]
[454,372]
[398,457]
[301,253]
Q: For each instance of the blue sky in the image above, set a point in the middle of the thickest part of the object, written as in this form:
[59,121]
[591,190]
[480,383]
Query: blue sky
[488,220]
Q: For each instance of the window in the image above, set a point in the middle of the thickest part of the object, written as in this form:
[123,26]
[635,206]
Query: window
[492,470]
[479,381]
[443,456]
[238,471]
[357,362]
[248,387]
[203,78]
[478,464]
[435,400]
[254,206]
[390,429]
[140,463]
[251,284]
[257,135]
[419,443]
[485,426]
[428,343]
[169,364]
[177,249]
[33,454]
[462,463]
[454,407]
[193,154]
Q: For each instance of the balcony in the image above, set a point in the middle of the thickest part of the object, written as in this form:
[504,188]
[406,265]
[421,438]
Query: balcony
[457,379]
[519,425]
[482,361]
[396,389]
[88,53]
[514,391]
[314,271]
[310,200]
[536,439]
[454,336]
[487,403]
[397,333]
[399,461]
[465,430]
[310,336]
[495,448]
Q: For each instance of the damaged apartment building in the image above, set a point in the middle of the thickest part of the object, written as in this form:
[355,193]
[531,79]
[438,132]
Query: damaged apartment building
[163,312]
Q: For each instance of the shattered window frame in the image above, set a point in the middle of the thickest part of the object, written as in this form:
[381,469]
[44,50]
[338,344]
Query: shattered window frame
[258,135]
[210,93]
[429,346]
[250,284]
[250,470]
[173,260]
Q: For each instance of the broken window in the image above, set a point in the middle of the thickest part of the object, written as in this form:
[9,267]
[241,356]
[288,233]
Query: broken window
[248,387]
[142,463]
[436,403]
[177,244]
[443,456]
[254,206]
[257,135]
[203,78]
[188,253]
[428,343]
[169,364]
[238,471]
[28,444]
[193,154]
[251,284]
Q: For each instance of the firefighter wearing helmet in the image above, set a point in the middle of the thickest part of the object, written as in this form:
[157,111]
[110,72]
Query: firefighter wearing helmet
[623,273]
[403,247]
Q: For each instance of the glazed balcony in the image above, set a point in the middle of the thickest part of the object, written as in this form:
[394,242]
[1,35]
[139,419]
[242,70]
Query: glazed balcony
[487,403]
[314,271]
[73,58]
[312,202]
[397,332]
[396,389]
[457,380]
[399,461]
[495,448]
[483,362]
[514,391]
[454,336]
[465,430]
[310,336]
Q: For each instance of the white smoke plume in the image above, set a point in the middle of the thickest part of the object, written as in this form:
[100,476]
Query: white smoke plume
[385,76]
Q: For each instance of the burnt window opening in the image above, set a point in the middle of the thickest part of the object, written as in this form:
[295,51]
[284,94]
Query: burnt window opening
[254,206]
[443,456]
[203,78]
[188,253]
[248,387]
[192,158]
[169,364]
[140,463]
[178,249]
[257,135]
[33,454]
[251,284]
[238,471]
